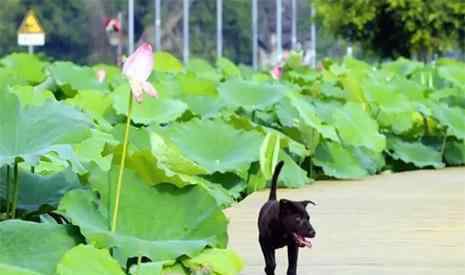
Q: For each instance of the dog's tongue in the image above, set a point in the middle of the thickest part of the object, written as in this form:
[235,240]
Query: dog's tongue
[303,241]
[306,242]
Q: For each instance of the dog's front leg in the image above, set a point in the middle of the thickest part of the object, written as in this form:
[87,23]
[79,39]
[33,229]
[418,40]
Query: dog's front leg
[269,254]
[292,255]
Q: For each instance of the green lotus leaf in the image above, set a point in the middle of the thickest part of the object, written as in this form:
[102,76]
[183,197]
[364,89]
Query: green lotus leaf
[452,117]
[88,260]
[31,132]
[252,94]
[338,161]
[92,149]
[399,123]
[165,62]
[286,112]
[74,76]
[455,153]
[27,66]
[302,77]
[14,270]
[36,190]
[139,138]
[150,170]
[8,77]
[150,268]
[113,74]
[386,97]
[202,69]
[416,153]
[171,158]
[216,261]
[228,68]
[309,136]
[214,144]
[176,269]
[167,84]
[353,89]
[350,119]
[35,246]
[402,66]
[205,106]
[27,95]
[310,117]
[269,152]
[161,222]
[442,95]
[370,160]
[256,183]
[95,103]
[453,72]
[191,84]
[330,90]
[292,176]
[409,88]
[150,110]
[229,182]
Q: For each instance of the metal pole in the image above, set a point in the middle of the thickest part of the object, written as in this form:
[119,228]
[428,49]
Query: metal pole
[31,49]
[219,28]
[294,24]
[313,39]
[186,31]
[119,49]
[279,29]
[254,35]
[157,26]
[131,26]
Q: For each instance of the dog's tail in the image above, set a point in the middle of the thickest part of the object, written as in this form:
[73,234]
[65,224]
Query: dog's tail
[274,180]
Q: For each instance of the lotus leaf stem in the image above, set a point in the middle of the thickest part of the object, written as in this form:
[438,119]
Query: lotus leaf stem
[15,191]
[8,190]
[443,145]
[121,167]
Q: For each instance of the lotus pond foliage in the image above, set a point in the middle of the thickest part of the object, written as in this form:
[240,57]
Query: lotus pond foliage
[210,138]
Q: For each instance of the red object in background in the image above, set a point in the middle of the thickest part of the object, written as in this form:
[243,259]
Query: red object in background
[112,24]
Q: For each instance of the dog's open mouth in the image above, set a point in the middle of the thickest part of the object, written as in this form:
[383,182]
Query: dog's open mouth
[302,241]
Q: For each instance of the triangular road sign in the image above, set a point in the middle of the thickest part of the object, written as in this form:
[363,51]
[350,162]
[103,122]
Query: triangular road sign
[30,24]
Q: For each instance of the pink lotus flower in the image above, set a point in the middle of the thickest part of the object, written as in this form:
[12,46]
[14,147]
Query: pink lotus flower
[277,72]
[101,75]
[137,68]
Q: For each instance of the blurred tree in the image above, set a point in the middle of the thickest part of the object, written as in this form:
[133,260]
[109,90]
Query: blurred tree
[397,27]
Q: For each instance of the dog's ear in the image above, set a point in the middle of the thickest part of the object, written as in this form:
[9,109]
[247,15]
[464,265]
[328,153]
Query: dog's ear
[286,205]
[307,202]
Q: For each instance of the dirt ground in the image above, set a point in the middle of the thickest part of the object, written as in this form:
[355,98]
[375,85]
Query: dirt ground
[408,223]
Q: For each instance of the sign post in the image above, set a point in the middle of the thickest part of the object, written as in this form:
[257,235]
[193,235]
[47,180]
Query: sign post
[255,34]
[31,33]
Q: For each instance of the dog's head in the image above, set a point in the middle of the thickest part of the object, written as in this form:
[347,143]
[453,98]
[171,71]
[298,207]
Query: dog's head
[296,221]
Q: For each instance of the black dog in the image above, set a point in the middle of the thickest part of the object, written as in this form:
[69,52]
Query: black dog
[283,223]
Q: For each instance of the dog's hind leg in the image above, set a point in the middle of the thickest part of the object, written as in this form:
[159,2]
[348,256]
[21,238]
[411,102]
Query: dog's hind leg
[292,255]
[269,254]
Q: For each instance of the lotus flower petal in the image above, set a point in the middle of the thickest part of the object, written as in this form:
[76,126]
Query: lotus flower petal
[149,89]
[139,65]
[277,72]
[101,75]
[137,89]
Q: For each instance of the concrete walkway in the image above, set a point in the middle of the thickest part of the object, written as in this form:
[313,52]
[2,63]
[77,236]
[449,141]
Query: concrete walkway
[409,223]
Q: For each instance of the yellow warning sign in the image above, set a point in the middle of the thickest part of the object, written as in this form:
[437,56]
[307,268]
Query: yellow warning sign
[30,24]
